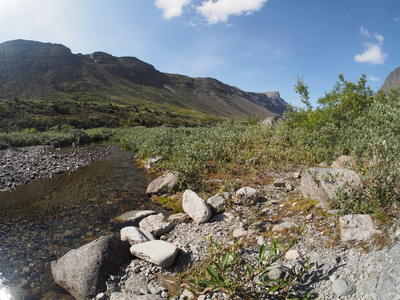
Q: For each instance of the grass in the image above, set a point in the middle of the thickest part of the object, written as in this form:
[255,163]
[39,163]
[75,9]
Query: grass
[349,120]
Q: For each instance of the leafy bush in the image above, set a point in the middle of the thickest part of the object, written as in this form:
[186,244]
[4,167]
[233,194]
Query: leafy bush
[350,120]
[225,270]
[198,152]
[32,137]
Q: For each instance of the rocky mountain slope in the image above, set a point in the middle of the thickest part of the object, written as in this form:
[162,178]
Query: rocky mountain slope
[392,81]
[50,73]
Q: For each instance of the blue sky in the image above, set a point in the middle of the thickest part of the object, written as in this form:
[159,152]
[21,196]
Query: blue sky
[256,45]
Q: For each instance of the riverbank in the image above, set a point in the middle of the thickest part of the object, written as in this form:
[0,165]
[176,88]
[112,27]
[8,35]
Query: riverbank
[21,165]
[340,268]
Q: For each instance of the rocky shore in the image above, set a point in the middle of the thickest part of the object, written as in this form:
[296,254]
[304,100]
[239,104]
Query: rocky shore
[22,165]
[350,257]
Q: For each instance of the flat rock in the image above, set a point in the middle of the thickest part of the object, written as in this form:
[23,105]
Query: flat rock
[247,195]
[156,225]
[157,252]
[322,183]
[178,218]
[280,227]
[217,202]
[292,254]
[195,207]
[356,228]
[83,271]
[134,235]
[163,184]
[134,216]
[343,287]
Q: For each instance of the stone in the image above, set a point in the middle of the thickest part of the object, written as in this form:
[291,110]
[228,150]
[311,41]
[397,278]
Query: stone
[322,183]
[83,137]
[280,227]
[154,289]
[368,285]
[157,252]
[11,151]
[273,120]
[279,271]
[240,232]
[296,175]
[292,254]
[156,225]
[125,296]
[83,271]
[247,195]
[394,252]
[196,207]
[217,203]
[344,162]
[343,287]
[356,228]
[163,184]
[386,284]
[178,218]
[289,186]
[279,183]
[151,161]
[134,235]
[55,144]
[133,217]
[135,284]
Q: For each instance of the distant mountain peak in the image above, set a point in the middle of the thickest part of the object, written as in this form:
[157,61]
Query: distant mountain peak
[47,71]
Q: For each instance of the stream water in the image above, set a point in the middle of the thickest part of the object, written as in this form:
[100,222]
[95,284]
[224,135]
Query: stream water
[41,221]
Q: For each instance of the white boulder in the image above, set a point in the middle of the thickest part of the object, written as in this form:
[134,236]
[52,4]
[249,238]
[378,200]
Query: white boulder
[157,252]
[196,207]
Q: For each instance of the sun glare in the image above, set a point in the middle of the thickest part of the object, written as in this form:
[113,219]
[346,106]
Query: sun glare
[4,293]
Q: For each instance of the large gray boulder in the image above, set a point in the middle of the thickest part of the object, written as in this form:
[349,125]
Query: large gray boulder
[83,271]
[163,184]
[322,183]
[156,225]
[157,252]
[356,228]
[196,207]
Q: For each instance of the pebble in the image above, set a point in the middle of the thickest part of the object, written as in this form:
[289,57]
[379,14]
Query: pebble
[17,169]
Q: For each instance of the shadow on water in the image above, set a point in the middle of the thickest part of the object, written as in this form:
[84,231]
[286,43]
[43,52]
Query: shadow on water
[46,218]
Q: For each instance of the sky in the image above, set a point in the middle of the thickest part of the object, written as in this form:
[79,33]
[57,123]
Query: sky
[255,45]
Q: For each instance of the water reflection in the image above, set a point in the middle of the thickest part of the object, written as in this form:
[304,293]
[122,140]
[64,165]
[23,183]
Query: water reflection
[44,219]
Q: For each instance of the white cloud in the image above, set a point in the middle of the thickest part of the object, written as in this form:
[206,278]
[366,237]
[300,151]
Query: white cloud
[397,20]
[365,32]
[171,8]
[373,78]
[220,10]
[372,53]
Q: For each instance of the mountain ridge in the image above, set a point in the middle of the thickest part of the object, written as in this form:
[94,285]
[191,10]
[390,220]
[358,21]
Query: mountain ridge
[51,72]
[392,81]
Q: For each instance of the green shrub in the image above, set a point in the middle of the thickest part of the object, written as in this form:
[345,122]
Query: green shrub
[225,270]
[351,121]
